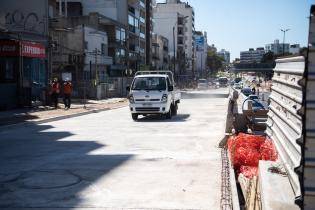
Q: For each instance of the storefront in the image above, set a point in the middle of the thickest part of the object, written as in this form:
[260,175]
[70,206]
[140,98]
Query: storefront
[23,73]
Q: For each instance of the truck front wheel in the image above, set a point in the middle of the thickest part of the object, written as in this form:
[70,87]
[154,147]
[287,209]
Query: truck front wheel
[134,116]
[175,108]
[169,114]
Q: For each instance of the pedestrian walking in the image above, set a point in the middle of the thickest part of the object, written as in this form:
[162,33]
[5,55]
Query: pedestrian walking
[54,92]
[67,90]
[254,91]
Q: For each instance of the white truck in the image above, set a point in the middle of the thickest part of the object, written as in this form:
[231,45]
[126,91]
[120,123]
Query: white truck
[153,92]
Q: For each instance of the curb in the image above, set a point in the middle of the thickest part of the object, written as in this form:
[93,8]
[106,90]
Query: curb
[58,118]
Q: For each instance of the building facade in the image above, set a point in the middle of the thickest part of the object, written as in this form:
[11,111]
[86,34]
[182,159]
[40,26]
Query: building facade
[201,53]
[23,52]
[278,48]
[252,55]
[225,55]
[175,20]
[160,56]
[295,49]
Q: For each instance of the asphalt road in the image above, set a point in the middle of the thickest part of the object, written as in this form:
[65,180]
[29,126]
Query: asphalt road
[107,161]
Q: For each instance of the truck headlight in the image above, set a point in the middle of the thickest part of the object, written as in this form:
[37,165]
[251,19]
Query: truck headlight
[131,99]
[164,98]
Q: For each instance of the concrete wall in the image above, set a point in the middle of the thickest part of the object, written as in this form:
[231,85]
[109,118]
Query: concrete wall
[94,40]
[114,9]
[25,16]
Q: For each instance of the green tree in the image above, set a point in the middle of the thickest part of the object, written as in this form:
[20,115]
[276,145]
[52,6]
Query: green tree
[268,57]
[214,62]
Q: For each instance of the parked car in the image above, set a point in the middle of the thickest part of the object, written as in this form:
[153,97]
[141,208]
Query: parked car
[246,91]
[223,81]
[257,105]
[238,85]
[202,84]
[253,97]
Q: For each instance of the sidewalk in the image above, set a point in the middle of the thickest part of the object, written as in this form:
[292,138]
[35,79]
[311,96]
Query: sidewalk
[46,113]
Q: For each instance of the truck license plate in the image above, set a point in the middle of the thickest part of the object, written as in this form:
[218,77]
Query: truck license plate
[147,104]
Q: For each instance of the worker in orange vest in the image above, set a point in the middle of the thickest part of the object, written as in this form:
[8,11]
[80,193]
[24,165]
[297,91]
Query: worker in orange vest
[54,92]
[67,90]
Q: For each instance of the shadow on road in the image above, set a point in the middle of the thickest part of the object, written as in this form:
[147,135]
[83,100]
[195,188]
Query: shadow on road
[162,119]
[44,168]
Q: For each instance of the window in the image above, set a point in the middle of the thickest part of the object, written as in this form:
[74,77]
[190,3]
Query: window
[123,34]
[118,34]
[86,45]
[103,49]
[131,20]
[149,83]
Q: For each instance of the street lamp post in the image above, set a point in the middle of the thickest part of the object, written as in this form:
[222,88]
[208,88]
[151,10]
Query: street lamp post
[284,31]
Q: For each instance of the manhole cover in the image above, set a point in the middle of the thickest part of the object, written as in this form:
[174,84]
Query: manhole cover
[48,179]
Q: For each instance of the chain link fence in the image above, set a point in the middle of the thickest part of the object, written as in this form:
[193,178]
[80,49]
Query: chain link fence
[109,88]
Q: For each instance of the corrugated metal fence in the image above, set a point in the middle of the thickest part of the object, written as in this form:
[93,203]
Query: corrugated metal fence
[308,185]
[284,124]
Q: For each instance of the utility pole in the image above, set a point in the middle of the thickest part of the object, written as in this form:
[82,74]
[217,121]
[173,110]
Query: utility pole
[284,31]
[174,55]
[96,73]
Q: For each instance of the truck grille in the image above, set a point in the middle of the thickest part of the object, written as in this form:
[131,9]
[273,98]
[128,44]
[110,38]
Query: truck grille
[148,99]
[147,109]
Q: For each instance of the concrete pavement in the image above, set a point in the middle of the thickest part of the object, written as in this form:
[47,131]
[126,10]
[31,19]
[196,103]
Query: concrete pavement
[47,113]
[107,161]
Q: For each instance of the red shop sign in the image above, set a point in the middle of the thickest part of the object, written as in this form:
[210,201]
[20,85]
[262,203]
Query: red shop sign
[29,49]
[9,48]
[33,50]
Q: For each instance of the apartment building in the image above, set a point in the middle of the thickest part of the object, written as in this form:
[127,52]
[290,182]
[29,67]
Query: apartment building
[160,56]
[201,53]
[252,55]
[225,55]
[175,20]
[278,48]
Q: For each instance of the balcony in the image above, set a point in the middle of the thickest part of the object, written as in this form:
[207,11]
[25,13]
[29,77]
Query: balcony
[142,20]
[142,4]
[142,35]
[155,56]
[133,56]
[115,43]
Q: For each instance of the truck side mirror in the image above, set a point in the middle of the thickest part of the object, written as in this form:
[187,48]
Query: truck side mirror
[128,88]
[170,88]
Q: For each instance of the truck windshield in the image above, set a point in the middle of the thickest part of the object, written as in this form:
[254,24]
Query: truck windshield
[149,83]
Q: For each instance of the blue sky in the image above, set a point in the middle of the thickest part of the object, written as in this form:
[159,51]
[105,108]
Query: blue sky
[236,25]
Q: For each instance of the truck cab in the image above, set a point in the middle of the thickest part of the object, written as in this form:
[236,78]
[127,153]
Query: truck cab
[153,92]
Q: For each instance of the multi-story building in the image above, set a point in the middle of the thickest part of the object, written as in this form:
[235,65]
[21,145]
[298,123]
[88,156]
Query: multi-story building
[278,48]
[160,57]
[201,53]
[135,15]
[23,54]
[294,48]
[175,20]
[252,56]
[225,55]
